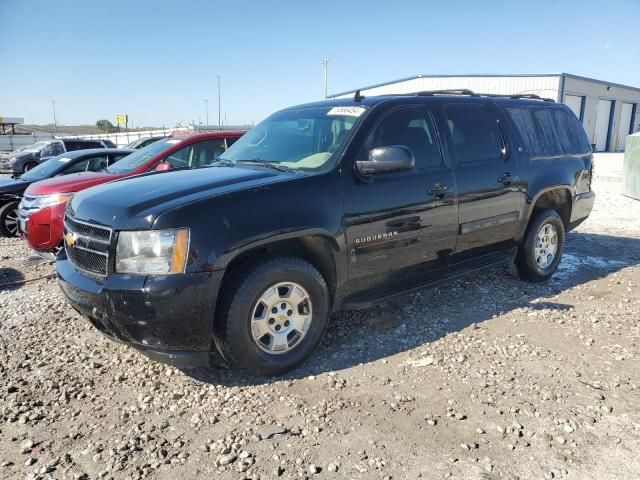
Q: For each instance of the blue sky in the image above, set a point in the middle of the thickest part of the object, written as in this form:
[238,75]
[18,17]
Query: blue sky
[158,60]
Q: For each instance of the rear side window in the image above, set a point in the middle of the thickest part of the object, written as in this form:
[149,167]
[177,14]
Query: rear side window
[474,133]
[549,132]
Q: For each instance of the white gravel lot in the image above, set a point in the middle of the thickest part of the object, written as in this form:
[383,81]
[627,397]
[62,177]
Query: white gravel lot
[484,378]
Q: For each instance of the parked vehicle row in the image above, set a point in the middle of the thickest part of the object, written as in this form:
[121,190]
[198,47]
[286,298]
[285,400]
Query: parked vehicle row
[30,156]
[41,211]
[332,205]
[12,190]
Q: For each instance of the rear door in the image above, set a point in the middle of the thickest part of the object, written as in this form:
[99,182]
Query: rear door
[489,195]
[401,224]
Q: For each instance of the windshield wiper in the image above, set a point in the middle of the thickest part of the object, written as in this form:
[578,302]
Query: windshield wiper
[221,162]
[264,163]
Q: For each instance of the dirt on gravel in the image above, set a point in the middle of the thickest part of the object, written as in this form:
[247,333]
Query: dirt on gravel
[487,377]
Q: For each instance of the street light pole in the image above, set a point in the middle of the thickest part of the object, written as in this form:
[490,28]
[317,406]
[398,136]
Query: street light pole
[206,108]
[55,122]
[219,111]
[325,65]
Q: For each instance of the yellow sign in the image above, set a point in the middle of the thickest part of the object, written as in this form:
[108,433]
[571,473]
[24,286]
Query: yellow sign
[120,119]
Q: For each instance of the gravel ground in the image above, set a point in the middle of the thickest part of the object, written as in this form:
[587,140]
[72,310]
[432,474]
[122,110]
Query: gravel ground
[487,377]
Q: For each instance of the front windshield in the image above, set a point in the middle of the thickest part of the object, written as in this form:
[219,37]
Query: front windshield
[304,138]
[140,157]
[46,169]
[34,147]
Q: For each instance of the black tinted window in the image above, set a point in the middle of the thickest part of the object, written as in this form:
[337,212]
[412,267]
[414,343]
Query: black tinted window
[549,144]
[411,127]
[474,132]
[549,132]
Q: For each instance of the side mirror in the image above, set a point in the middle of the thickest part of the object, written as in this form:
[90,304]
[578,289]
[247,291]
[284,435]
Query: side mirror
[163,167]
[387,159]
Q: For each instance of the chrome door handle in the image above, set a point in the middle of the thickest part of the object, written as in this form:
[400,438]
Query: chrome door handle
[506,178]
[438,190]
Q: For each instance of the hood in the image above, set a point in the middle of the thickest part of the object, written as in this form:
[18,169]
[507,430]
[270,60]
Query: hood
[22,154]
[136,202]
[70,183]
[14,186]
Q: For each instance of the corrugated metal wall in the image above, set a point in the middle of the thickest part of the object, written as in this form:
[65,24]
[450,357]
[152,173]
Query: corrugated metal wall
[544,86]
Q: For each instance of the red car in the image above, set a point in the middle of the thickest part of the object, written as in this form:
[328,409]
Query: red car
[41,211]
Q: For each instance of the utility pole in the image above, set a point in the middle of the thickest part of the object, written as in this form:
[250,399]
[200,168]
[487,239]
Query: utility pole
[219,115]
[55,122]
[206,108]
[325,66]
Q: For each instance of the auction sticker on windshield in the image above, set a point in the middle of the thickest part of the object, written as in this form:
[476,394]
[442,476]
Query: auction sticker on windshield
[347,111]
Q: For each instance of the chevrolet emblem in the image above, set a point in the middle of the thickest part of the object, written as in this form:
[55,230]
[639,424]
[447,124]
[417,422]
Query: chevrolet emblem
[70,239]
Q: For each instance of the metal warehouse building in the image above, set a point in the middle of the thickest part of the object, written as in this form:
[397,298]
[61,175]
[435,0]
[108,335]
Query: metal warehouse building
[607,110]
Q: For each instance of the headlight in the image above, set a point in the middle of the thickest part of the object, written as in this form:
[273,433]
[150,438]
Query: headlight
[44,201]
[152,252]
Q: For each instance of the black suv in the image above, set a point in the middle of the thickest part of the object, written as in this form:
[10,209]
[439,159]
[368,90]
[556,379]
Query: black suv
[30,156]
[332,205]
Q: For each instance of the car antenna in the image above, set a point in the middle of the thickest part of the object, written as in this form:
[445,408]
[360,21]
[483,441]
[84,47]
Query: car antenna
[358,97]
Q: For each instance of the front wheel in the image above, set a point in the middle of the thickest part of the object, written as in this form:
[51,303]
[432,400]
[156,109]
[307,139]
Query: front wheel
[273,316]
[541,251]
[29,165]
[9,220]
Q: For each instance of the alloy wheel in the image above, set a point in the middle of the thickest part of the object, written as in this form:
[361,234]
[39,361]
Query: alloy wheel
[11,222]
[281,317]
[546,245]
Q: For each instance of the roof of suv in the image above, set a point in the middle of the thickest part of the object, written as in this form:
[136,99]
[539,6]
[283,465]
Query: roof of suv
[442,95]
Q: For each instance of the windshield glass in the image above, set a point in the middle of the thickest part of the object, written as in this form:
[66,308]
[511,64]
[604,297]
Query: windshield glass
[140,157]
[46,169]
[304,139]
[34,147]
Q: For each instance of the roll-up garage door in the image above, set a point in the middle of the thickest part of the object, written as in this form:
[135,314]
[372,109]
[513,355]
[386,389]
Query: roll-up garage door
[602,125]
[626,111]
[574,102]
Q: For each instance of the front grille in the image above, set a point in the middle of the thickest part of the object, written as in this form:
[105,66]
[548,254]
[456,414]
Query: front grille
[89,230]
[88,260]
[87,245]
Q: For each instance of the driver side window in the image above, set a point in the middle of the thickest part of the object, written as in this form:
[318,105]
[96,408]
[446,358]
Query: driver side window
[411,127]
[180,158]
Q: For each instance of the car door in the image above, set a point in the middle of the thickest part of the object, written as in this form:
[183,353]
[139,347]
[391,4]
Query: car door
[489,192]
[400,224]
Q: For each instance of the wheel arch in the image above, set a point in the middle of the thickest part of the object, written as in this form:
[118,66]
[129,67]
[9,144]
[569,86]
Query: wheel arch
[317,247]
[557,197]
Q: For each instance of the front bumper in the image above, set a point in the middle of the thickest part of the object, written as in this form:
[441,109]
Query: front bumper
[43,228]
[582,207]
[7,166]
[169,318]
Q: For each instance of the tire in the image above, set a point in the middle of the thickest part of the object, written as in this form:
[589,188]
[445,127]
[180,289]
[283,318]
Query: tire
[9,220]
[243,305]
[29,165]
[532,260]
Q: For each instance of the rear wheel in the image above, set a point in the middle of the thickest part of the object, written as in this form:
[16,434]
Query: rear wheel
[9,220]
[541,251]
[273,316]
[29,165]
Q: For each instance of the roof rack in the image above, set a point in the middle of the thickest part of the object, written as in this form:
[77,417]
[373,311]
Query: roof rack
[471,93]
[459,91]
